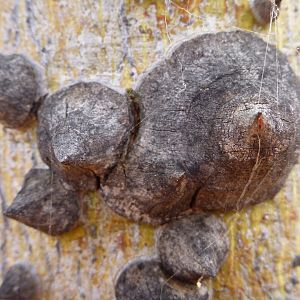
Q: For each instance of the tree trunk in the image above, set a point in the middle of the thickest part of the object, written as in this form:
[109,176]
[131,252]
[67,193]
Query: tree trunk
[115,40]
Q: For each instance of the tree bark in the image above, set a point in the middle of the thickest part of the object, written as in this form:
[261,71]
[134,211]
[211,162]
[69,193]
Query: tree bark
[115,41]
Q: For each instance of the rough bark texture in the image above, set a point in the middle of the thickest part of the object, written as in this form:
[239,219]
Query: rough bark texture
[82,132]
[193,247]
[76,40]
[45,204]
[225,135]
[219,140]
[143,279]
[264,10]
[20,89]
[20,283]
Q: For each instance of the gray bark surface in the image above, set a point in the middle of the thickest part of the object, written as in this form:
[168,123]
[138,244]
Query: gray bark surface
[45,204]
[82,132]
[193,247]
[19,90]
[211,136]
[143,279]
[20,283]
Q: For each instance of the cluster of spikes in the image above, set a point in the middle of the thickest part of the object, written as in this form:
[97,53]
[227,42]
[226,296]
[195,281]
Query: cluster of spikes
[200,241]
[201,130]
[157,277]
[214,125]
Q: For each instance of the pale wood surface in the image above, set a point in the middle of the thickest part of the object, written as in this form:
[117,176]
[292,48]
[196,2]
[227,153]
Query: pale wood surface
[115,40]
